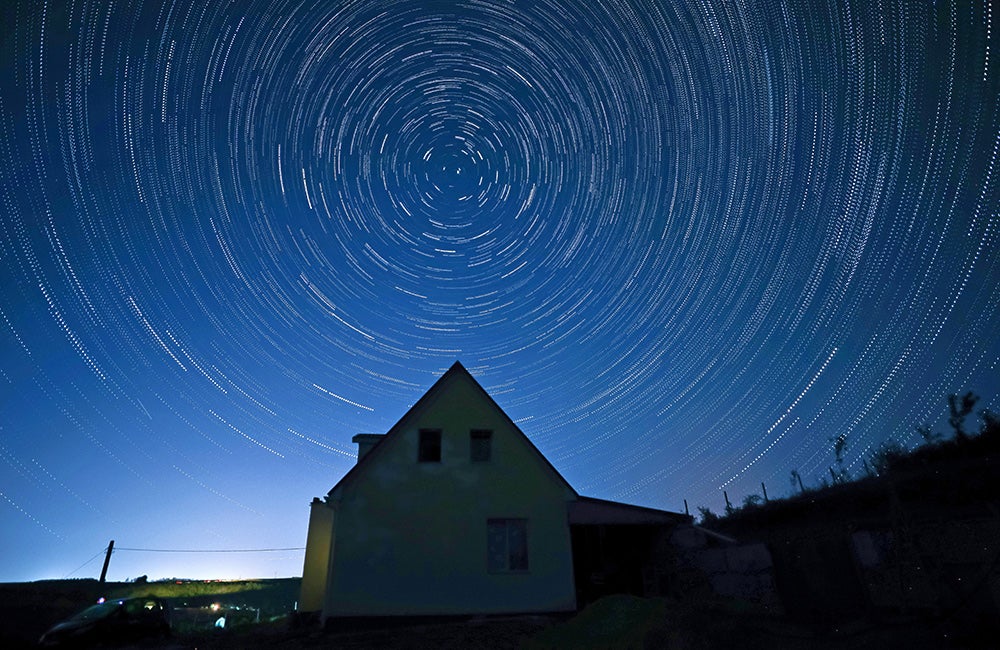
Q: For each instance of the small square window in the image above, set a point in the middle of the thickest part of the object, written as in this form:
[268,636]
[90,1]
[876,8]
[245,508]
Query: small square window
[506,545]
[430,446]
[480,443]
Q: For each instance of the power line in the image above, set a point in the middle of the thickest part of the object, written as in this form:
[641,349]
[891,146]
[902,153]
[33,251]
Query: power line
[215,550]
[96,555]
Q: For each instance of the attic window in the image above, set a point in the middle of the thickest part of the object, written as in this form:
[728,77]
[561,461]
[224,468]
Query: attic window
[430,446]
[506,545]
[479,445]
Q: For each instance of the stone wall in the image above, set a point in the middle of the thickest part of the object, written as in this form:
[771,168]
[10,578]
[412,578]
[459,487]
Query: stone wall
[732,570]
[939,567]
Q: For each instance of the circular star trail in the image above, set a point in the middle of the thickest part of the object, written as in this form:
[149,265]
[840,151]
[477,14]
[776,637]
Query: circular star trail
[683,244]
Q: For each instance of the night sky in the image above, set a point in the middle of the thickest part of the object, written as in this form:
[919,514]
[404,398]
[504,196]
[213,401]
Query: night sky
[683,244]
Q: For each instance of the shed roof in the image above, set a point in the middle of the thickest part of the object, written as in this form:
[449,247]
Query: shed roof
[591,511]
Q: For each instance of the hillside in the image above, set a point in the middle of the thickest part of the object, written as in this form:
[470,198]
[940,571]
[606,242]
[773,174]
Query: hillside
[919,539]
[28,609]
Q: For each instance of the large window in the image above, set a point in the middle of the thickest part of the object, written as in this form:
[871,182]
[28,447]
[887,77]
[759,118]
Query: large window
[479,445]
[430,446]
[506,545]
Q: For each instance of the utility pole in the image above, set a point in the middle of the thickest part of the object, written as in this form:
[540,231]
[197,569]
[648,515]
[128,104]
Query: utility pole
[107,560]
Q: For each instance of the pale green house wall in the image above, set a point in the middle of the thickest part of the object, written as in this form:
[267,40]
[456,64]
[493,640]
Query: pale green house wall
[317,559]
[411,538]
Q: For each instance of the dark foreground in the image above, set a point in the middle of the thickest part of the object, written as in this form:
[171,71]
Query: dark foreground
[28,609]
[539,633]
[615,622]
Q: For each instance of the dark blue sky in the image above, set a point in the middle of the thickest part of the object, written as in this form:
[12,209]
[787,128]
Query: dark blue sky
[683,244]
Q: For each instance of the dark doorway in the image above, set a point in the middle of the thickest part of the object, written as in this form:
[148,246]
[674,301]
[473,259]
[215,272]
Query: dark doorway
[616,559]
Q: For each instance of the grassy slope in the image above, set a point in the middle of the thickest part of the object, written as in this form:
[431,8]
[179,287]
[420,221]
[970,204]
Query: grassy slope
[27,609]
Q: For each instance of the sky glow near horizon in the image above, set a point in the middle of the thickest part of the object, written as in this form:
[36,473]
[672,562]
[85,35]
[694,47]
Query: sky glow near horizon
[682,244]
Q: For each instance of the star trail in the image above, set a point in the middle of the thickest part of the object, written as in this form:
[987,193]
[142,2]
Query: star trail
[684,244]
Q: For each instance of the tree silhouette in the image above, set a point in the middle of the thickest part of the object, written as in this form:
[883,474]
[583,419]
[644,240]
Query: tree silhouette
[928,436]
[796,480]
[958,410]
[991,424]
[707,516]
[839,475]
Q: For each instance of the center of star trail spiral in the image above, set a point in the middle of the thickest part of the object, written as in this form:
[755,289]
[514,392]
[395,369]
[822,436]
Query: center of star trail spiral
[451,156]
[684,244]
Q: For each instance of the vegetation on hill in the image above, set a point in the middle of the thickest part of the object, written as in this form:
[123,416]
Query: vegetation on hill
[943,471]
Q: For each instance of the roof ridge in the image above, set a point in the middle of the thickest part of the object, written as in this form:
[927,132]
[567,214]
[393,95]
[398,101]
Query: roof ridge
[456,369]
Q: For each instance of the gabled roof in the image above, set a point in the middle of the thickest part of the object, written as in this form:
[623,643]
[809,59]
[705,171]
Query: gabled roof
[456,370]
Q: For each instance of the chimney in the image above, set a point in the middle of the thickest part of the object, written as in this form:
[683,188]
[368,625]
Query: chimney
[365,442]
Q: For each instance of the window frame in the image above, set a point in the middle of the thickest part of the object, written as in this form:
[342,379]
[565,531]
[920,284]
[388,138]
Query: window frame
[476,436]
[512,564]
[422,446]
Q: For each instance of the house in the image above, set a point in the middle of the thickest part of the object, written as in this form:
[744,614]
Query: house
[455,512]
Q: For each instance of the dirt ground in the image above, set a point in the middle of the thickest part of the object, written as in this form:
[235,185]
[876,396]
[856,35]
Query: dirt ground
[537,633]
[612,622]
[683,630]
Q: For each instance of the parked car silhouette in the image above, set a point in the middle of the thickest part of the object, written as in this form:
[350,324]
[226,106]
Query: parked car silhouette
[112,622]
